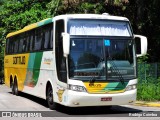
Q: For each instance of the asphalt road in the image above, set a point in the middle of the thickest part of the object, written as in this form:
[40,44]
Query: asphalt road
[25,104]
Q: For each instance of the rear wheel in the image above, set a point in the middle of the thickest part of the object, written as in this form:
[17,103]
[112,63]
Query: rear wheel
[12,87]
[15,88]
[50,101]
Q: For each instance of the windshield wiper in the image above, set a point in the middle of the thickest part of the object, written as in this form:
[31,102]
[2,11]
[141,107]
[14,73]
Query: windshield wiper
[116,71]
[93,79]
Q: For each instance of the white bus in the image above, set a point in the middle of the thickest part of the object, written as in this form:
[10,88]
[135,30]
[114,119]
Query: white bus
[75,60]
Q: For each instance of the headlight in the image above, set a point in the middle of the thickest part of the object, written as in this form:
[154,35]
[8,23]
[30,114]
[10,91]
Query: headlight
[131,87]
[77,88]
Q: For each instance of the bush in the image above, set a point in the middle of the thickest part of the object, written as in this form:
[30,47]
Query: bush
[148,92]
[148,84]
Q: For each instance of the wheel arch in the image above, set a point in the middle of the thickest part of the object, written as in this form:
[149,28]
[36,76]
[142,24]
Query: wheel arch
[47,85]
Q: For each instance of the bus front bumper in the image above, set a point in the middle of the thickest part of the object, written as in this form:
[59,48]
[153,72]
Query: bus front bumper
[76,99]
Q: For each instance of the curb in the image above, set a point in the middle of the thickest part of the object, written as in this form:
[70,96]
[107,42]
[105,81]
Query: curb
[147,104]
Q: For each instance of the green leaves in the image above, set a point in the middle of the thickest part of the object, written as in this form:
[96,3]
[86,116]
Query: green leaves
[14,15]
[87,7]
[53,7]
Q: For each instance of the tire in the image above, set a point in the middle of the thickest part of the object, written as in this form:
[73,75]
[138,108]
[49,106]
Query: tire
[12,88]
[15,88]
[51,104]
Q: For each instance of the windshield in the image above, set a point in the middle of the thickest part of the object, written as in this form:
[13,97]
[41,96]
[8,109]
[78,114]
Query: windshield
[101,59]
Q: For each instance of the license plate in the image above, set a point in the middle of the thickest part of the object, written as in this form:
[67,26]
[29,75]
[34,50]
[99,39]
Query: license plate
[106,99]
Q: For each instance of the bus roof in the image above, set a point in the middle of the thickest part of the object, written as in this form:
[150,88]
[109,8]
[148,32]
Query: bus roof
[91,16]
[69,16]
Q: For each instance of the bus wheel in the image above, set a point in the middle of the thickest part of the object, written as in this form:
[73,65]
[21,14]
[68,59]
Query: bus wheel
[50,101]
[15,88]
[12,87]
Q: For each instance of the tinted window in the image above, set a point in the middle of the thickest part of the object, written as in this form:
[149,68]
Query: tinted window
[48,37]
[39,39]
[31,40]
[15,46]
[21,40]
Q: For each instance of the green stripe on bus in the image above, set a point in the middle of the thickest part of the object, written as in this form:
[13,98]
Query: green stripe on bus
[37,65]
[121,85]
[116,86]
[31,60]
[33,70]
[49,20]
[44,22]
[29,75]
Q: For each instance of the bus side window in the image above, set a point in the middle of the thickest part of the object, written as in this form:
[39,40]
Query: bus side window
[11,46]
[7,46]
[15,45]
[27,42]
[60,59]
[31,41]
[38,39]
[48,37]
[51,38]
[21,40]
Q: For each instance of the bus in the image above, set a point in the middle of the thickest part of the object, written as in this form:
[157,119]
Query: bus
[75,60]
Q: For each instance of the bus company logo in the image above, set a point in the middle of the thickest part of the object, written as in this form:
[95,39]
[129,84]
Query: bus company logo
[59,94]
[19,60]
[48,61]
[95,85]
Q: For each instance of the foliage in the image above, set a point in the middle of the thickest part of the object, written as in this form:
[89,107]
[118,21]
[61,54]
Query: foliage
[148,92]
[143,59]
[56,7]
[53,6]
[148,84]
[14,15]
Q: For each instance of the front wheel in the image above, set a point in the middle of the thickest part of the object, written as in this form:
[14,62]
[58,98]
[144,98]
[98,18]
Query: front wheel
[50,101]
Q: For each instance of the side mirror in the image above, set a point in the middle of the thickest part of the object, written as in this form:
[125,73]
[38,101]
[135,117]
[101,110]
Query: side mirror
[66,44]
[141,45]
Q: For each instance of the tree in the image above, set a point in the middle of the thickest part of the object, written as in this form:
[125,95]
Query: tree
[56,7]
[15,14]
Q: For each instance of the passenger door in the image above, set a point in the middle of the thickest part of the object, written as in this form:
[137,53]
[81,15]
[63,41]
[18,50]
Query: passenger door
[60,59]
